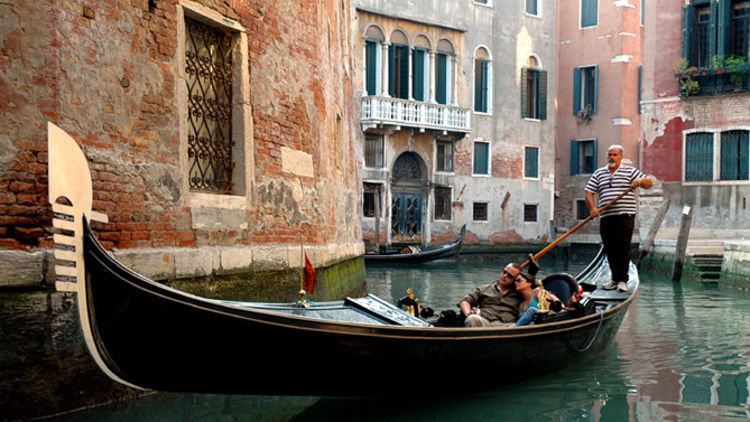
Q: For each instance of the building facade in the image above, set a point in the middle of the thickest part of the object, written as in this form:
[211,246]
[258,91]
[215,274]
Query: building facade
[696,113]
[455,111]
[599,54]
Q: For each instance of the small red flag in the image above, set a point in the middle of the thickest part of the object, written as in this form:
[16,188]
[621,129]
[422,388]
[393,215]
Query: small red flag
[309,275]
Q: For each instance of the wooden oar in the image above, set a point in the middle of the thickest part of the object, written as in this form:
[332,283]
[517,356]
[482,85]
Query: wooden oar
[578,226]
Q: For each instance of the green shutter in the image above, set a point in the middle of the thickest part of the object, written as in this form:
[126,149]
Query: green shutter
[372,63]
[531,7]
[485,86]
[481,86]
[403,72]
[392,70]
[418,72]
[524,100]
[724,17]
[589,11]
[574,157]
[744,155]
[531,167]
[643,12]
[596,89]
[481,153]
[687,31]
[640,86]
[596,154]
[440,94]
[699,157]
[542,92]
[577,82]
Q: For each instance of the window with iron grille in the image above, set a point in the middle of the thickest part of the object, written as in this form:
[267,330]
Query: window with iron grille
[739,29]
[208,70]
[374,151]
[582,210]
[529,213]
[701,48]
[479,211]
[734,155]
[372,193]
[444,156]
[442,203]
[699,157]
[715,30]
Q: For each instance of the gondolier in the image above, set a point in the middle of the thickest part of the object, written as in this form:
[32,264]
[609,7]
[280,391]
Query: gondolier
[616,226]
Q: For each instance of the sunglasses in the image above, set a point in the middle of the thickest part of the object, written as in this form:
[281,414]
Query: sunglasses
[520,279]
[505,272]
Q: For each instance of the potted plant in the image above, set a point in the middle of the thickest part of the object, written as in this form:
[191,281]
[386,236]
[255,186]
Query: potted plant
[684,75]
[736,68]
[585,113]
[718,61]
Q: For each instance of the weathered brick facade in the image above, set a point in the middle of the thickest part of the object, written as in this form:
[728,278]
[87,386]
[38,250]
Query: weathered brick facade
[112,75]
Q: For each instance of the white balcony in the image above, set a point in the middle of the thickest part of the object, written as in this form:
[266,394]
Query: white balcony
[386,111]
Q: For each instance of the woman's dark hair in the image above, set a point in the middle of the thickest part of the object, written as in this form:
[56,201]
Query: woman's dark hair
[530,278]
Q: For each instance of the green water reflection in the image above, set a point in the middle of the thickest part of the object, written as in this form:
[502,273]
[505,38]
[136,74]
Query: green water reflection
[682,353]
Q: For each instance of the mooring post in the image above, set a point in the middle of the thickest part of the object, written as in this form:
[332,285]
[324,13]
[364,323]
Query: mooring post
[377,219]
[682,240]
[655,225]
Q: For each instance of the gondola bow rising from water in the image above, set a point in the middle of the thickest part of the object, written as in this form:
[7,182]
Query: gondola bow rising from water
[144,334]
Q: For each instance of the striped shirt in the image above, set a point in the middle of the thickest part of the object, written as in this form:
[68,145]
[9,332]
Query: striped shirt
[608,186]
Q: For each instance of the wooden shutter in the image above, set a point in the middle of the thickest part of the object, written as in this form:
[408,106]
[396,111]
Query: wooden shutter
[532,162]
[371,63]
[734,155]
[524,100]
[577,82]
[481,153]
[596,88]
[403,72]
[542,93]
[440,94]
[699,157]
[575,158]
[418,72]
[589,9]
[392,70]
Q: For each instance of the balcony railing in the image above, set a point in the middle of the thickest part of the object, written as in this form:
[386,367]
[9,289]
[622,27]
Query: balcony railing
[386,111]
[711,82]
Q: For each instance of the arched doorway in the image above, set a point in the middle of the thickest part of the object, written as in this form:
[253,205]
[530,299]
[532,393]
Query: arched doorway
[407,190]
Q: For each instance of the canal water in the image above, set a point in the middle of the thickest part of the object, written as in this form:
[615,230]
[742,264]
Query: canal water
[682,353]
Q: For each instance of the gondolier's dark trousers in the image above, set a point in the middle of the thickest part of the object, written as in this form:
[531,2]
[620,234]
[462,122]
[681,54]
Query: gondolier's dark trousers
[617,236]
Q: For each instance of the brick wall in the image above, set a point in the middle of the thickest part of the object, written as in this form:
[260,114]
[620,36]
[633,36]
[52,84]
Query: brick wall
[108,73]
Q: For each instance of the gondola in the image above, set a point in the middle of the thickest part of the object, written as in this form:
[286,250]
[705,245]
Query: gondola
[415,254]
[146,335]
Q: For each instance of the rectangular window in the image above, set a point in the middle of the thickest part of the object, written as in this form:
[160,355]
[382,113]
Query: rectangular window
[700,54]
[479,212]
[529,213]
[739,29]
[582,157]
[589,13]
[533,93]
[418,63]
[444,156]
[734,155]
[585,88]
[372,195]
[531,163]
[371,64]
[442,203]
[481,158]
[481,86]
[398,71]
[208,59]
[374,151]
[699,157]
[643,12]
[532,7]
[582,210]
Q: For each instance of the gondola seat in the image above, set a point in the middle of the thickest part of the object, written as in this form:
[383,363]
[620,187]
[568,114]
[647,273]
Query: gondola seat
[562,285]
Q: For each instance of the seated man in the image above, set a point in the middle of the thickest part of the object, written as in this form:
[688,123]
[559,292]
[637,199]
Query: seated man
[493,305]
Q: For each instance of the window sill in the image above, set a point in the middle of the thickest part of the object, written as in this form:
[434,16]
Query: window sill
[529,15]
[531,119]
[480,175]
[212,200]
[536,179]
[489,6]
[445,173]
[482,113]
[440,220]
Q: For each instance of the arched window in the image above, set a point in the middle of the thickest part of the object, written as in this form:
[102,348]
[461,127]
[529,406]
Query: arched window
[533,90]
[443,72]
[374,38]
[482,79]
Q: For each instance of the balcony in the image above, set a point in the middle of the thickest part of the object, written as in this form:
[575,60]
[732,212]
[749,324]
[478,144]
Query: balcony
[708,82]
[396,112]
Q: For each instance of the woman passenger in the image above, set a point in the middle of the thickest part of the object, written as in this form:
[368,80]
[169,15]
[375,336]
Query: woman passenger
[526,285]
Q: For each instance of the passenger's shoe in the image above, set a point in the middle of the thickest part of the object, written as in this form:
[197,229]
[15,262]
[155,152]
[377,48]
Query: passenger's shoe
[622,286]
[610,286]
